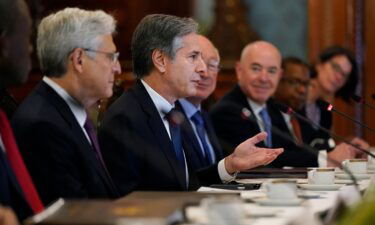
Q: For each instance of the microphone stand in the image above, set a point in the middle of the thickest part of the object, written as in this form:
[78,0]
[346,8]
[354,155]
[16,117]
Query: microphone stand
[245,113]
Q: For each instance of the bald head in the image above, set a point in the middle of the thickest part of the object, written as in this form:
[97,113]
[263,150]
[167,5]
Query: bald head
[259,70]
[207,83]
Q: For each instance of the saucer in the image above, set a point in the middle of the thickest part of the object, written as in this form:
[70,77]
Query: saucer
[320,187]
[278,202]
[358,176]
[371,167]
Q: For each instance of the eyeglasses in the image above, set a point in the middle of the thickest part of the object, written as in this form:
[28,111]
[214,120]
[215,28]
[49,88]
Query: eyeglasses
[113,56]
[337,68]
[296,83]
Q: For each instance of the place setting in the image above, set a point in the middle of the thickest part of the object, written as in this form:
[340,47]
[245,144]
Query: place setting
[321,179]
[279,192]
[358,167]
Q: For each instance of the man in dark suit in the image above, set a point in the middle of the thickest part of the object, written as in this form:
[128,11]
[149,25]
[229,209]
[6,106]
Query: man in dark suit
[247,109]
[140,133]
[197,126]
[17,191]
[292,91]
[79,60]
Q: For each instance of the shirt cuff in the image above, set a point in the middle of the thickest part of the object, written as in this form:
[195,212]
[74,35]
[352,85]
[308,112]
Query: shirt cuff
[224,175]
[322,158]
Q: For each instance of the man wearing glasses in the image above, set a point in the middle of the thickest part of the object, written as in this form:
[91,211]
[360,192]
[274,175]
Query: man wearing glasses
[197,126]
[57,139]
[292,91]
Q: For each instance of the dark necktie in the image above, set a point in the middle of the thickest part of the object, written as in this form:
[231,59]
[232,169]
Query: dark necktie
[18,166]
[89,127]
[201,131]
[267,126]
[174,128]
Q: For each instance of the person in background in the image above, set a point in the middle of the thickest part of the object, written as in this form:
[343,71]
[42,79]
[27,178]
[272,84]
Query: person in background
[292,91]
[17,190]
[140,132]
[79,60]
[334,75]
[197,126]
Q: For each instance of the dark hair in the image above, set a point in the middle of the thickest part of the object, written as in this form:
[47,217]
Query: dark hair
[346,91]
[9,11]
[158,31]
[293,60]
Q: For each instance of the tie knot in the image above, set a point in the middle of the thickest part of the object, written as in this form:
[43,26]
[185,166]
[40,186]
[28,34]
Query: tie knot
[174,117]
[197,118]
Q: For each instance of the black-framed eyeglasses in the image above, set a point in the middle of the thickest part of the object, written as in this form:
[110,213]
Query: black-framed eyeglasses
[113,56]
[296,83]
[337,68]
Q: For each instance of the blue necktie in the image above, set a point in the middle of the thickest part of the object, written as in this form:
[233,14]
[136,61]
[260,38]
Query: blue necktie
[267,126]
[174,128]
[199,124]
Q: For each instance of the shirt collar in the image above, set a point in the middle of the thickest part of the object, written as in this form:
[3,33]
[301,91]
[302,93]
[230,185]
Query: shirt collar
[78,110]
[189,108]
[162,105]
[255,106]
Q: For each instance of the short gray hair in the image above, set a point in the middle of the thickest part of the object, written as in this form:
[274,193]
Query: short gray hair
[62,32]
[158,31]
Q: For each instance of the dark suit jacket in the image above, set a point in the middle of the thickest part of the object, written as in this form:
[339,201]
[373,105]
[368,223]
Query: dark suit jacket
[11,194]
[138,150]
[314,136]
[56,151]
[197,160]
[232,128]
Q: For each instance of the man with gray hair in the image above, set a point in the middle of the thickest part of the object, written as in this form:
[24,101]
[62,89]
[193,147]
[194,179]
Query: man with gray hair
[144,148]
[57,139]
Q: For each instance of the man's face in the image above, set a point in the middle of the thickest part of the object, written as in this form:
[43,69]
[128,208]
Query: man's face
[99,72]
[182,72]
[293,86]
[259,72]
[207,83]
[333,74]
[15,64]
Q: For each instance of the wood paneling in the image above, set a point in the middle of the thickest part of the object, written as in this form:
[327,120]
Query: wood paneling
[332,22]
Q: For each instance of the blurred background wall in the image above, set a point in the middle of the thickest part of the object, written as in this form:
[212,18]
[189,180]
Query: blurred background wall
[299,28]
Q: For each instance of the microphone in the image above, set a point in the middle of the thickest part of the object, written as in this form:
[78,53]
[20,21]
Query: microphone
[246,114]
[290,111]
[329,107]
[362,101]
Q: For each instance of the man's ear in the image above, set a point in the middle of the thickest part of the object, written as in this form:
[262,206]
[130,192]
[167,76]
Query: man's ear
[77,59]
[159,60]
[238,70]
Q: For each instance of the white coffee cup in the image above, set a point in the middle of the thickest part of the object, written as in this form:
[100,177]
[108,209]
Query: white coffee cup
[356,165]
[223,210]
[321,176]
[281,189]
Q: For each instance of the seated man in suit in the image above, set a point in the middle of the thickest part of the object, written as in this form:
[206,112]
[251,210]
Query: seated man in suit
[55,136]
[17,191]
[197,126]
[292,91]
[140,132]
[246,109]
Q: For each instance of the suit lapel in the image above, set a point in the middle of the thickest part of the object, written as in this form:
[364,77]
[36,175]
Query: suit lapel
[212,136]
[66,113]
[158,129]
[191,141]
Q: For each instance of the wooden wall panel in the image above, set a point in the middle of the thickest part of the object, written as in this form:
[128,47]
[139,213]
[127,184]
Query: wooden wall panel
[331,22]
[369,66]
